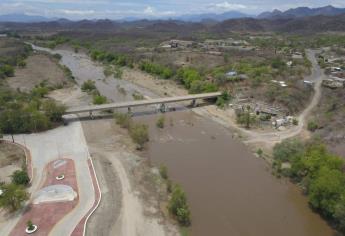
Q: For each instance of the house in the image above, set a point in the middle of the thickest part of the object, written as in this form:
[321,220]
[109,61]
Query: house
[336,69]
[279,122]
[231,74]
[308,83]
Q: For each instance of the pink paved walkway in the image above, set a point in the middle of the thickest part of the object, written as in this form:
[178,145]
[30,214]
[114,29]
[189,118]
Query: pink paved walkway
[79,229]
[46,215]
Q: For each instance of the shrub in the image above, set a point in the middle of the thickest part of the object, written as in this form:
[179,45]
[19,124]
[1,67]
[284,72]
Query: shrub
[53,110]
[178,206]
[160,122]
[287,149]
[163,171]
[20,177]
[139,134]
[123,119]
[30,225]
[259,152]
[13,197]
[7,70]
[99,99]
[156,69]
[137,96]
[88,86]
[246,118]
[312,126]
[39,91]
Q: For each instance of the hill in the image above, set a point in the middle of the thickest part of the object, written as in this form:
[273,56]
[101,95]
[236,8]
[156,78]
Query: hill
[302,12]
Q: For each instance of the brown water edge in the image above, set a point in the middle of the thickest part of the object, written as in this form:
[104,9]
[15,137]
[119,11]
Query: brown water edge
[230,191]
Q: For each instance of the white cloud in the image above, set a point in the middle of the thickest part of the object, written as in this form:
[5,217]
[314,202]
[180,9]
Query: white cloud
[76,12]
[149,11]
[226,6]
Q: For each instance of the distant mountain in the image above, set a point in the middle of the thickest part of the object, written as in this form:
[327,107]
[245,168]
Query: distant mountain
[213,17]
[309,24]
[22,18]
[302,12]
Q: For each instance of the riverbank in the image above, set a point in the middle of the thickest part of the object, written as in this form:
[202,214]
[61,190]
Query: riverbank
[199,153]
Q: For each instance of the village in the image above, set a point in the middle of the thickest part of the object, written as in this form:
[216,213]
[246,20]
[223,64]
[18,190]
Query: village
[333,62]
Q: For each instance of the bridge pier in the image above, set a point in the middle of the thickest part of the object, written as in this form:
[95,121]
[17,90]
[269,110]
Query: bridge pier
[129,110]
[162,108]
[91,115]
[193,103]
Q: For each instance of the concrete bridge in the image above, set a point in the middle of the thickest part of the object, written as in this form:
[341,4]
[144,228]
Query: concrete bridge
[157,101]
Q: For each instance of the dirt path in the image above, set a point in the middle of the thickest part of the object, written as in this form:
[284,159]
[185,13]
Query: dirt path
[227,117]
[125,208]
[271,138]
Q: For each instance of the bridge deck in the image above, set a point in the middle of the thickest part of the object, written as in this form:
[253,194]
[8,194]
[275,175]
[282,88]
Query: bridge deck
[141,103]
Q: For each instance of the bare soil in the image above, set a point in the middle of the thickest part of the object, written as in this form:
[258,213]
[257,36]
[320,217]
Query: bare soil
[39,67]
[12,158]
[158,86]
[130,198]
[188,58]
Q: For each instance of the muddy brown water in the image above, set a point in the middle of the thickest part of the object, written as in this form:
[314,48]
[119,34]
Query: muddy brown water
[230,191]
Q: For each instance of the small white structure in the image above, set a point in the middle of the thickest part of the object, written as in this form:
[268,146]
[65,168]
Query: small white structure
[231,73]
[1,192]
[289,63]
[308,82]
[60,177]
[30,231]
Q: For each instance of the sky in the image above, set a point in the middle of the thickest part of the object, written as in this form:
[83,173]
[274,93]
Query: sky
[118,9]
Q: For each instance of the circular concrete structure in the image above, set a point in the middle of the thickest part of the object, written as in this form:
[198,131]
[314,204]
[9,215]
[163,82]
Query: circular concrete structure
[28,231]
[60,177]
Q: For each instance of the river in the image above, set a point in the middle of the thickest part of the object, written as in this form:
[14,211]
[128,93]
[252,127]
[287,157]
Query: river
[230,191]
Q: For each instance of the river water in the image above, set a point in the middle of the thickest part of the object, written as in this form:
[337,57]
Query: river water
[230,191]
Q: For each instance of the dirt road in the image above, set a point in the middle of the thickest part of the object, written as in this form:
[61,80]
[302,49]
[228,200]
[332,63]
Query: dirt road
[129,205]
[270,138]
[125,208]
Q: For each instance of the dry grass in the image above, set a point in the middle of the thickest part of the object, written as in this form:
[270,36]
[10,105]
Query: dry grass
[39,68]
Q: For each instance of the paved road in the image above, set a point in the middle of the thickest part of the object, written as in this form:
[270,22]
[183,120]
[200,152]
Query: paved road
[69,142]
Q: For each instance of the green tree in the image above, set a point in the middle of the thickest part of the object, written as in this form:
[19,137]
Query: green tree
[339,213]
[326,189]
[288,149]
[13,197]
[160,122]
[99,99]
[312,126]
[178,206]
[163,171]
[88,86]
[20,177]
[53,110]
[139,134]
[123,119]
[246,118]
[7,70]
[39,91]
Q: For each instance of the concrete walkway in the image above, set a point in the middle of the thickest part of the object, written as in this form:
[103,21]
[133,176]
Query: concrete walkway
[62,142]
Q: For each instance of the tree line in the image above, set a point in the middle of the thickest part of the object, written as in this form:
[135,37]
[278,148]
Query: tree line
[321,174]
[28,112]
